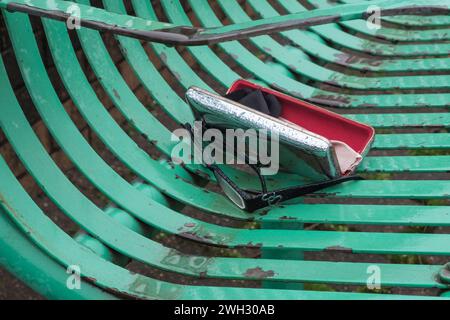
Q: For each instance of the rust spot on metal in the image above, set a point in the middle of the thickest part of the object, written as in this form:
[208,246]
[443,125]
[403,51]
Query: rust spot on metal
[258,273]
[334,100]
[339,249]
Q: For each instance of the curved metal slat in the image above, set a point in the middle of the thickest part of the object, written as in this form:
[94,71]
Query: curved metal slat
[334,33]
[144,10]
[360,214]
[388,33]
[297,89]
[51,239]
[432,21]
[435,21]
[53,182]
[22,129]
[349,240]
[226,268]
[26,261]
[304,67]
[328,54]
[131,47]
[392,120]
[412,164]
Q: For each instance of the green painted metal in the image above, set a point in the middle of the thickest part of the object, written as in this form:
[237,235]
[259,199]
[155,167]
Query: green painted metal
[304,67]
[39,174]
[30,264]
[31,220]
[412,141]
[116,228]
[89,13]
[345,12]
[211,64]
[418,21]
[65,126]
[116,139]
[57,187]
[156,86]
[121,232]
[332,55]
[398,34]
[435,21]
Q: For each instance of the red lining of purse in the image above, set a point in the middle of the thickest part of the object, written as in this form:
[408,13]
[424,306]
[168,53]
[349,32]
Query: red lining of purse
[318,120]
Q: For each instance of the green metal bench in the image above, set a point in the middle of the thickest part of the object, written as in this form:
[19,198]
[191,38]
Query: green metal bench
[331,64]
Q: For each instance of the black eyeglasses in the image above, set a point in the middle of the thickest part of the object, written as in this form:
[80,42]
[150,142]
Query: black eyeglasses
[250,200]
